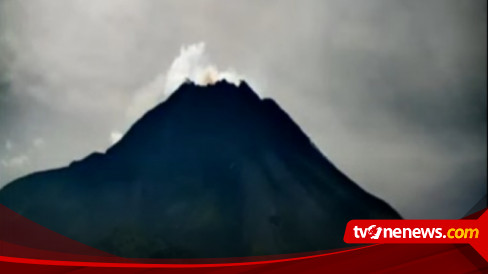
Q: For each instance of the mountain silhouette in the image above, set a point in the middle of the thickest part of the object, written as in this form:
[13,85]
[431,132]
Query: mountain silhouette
[214,171]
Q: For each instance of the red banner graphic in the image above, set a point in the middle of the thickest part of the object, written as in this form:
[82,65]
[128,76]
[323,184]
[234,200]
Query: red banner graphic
[27,247]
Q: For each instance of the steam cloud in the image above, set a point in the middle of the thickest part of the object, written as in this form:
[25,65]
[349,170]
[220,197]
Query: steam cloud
[191,64]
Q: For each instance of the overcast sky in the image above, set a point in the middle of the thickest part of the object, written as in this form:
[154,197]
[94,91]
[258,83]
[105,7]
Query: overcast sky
[392,92]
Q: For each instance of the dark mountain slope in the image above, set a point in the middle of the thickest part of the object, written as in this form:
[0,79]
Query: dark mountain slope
[212,172]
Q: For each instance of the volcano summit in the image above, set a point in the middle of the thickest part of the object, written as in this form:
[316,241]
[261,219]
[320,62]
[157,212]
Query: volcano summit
[214,171]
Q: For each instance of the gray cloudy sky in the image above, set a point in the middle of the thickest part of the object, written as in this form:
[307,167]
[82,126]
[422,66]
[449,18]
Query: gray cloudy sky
[393,92]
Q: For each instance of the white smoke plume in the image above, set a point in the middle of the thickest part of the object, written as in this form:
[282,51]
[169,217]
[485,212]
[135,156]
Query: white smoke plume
[191,64]
[115,136]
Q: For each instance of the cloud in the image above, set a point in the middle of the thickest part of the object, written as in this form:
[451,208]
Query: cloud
[115,136]
[22,159]
[147,97]
[38,142]
[16,161]
[8,145]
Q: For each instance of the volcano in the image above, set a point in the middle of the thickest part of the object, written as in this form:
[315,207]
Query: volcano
[214,171]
